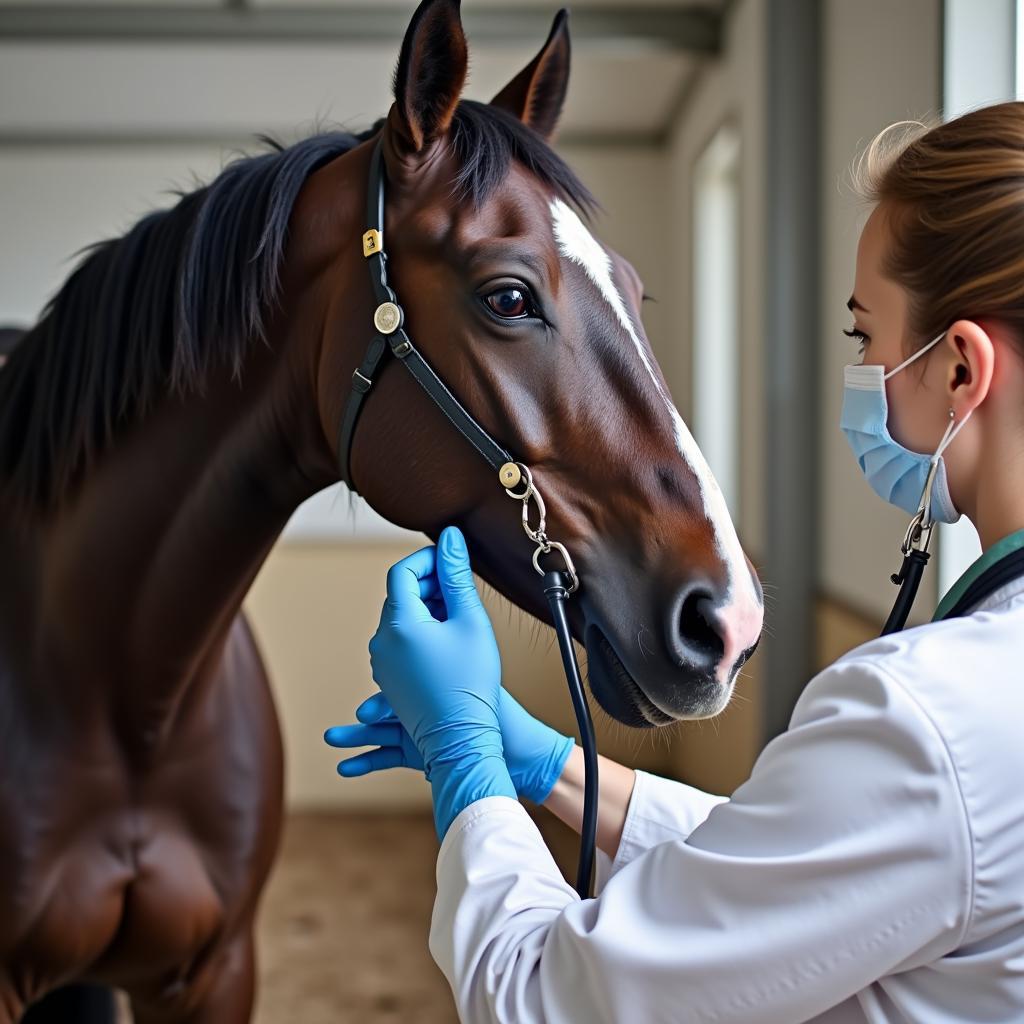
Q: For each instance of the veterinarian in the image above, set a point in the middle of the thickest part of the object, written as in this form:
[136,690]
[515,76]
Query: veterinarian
[872,867]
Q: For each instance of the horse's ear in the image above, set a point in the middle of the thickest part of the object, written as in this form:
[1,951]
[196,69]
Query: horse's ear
[429,78]
[537,93]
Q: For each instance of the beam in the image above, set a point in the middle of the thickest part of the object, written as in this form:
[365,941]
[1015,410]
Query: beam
[694,30]
[792,286]
[248,141]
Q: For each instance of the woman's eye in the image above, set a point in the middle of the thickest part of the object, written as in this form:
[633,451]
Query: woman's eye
[510,302]
[861,337]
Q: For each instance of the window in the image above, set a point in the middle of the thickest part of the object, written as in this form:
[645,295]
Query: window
[716,286]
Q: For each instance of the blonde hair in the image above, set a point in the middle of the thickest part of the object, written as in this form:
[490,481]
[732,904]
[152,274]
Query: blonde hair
[953,197]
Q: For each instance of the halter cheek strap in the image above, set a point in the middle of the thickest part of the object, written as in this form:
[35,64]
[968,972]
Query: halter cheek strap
[389,335]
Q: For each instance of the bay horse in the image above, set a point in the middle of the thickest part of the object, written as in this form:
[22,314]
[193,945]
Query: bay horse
[177,400]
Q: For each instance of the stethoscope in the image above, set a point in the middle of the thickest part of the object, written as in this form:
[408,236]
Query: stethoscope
[915,558]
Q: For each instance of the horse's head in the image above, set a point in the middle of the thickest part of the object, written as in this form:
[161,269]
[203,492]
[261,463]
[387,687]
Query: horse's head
[536,328]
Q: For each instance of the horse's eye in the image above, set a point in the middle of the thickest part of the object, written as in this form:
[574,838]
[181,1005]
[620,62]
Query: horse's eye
[509,302]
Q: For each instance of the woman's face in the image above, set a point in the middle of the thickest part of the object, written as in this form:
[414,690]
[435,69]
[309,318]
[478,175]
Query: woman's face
[917,396]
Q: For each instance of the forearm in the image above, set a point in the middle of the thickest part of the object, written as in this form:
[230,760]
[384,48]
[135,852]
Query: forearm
[616,787]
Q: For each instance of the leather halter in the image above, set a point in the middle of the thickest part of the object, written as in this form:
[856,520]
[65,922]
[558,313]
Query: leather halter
[390,335]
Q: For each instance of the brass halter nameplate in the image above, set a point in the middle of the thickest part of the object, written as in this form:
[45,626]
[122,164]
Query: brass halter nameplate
[372,242]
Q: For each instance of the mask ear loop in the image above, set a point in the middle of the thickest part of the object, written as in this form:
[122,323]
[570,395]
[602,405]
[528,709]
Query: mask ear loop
[924,510]
[917,355]
[952,430]
[923,520]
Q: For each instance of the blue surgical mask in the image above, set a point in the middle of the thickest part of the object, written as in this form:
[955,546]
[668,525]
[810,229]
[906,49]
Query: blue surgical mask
[896,474]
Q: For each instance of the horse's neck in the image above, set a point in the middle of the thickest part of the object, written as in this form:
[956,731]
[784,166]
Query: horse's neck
[147,568]
[138,579]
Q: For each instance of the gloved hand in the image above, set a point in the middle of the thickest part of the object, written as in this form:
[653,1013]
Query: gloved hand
[441,673]
[534,752]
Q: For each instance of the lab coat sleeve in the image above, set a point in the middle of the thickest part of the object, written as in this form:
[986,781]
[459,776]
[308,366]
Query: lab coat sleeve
[659,809]
[845,857]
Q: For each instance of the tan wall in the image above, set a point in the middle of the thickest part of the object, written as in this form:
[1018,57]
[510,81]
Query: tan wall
[841,629]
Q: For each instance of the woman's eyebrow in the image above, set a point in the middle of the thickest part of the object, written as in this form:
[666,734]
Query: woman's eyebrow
[853,304]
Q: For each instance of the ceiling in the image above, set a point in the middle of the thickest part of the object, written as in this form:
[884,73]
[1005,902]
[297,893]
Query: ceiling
[631,62]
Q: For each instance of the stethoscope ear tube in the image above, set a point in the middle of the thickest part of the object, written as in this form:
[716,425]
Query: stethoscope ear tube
[556,589]
[915,556]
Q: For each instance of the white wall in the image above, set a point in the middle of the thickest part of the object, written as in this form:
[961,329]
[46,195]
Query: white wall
[881,63]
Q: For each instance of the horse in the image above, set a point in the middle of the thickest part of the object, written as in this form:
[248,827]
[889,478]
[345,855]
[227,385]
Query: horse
[181,395]
[9,338]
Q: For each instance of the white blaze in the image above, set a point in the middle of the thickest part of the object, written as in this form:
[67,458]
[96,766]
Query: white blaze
[576,243]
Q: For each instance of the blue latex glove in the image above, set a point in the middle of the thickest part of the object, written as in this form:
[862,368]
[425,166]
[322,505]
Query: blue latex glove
[436,661]
[534,752]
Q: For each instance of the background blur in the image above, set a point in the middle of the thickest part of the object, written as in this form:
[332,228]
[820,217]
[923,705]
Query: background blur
[717,135]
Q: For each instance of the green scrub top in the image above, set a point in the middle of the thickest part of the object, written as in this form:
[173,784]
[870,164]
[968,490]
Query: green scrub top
[1010,543]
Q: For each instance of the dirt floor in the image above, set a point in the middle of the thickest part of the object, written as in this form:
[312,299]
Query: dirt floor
[344,925]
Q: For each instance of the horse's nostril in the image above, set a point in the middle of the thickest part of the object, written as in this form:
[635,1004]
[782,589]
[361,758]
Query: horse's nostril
[697,639]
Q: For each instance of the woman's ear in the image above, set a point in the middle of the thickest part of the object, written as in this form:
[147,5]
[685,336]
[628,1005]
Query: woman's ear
[429,78]
[970,371]
[537,93]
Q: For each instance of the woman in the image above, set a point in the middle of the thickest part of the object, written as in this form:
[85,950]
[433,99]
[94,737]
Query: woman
[872,868]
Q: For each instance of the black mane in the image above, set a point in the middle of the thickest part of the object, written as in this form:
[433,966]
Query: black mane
[187,288]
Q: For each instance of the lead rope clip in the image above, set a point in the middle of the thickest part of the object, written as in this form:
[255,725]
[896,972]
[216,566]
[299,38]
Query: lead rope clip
[511,475]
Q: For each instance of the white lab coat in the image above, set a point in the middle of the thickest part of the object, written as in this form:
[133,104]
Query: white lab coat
[871,868]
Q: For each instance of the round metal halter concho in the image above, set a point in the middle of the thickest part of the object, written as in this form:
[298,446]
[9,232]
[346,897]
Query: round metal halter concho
[387,318]
[511,474]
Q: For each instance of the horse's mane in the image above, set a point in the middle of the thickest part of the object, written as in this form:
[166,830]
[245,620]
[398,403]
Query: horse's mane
[187,288]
